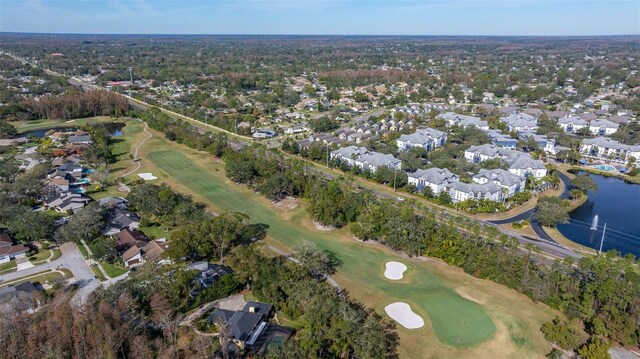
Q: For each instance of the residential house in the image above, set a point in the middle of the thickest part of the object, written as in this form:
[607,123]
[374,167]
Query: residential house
[23,297]
[512,183]
[246,325]
[606,148]
[571,124]
[453,119]
[603,127]
[65,201]
[520,163]
[348,154]
[208,274]
[79,140]
[8,250]
[435,178]
[120,219]
[264,133]
[520,122]
[371,161]
[460,191]
[427,138]
[501,140]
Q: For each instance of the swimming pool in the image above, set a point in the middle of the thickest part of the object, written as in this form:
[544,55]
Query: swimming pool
[604,167]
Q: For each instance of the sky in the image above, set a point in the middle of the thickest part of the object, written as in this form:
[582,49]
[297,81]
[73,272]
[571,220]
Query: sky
[335,17]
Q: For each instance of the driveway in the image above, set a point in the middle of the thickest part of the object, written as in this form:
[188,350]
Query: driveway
[70,259]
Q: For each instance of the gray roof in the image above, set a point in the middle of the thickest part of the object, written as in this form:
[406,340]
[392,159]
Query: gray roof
[434,175]
[609,143]
[571,120]
[604,123]
[463,120]
[122,218]
[524,160]
[504,177]
[79,139]
[488,187]
[349,151]
[378,159]
[519,120]
[422,136]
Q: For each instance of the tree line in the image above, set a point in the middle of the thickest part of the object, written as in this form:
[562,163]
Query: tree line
[600,292]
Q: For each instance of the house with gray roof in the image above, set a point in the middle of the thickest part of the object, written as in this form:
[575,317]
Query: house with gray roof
[80,140]
[435,178]
[348,154]
[427,138]
[245,325]
[460,191]
[505,179]
[520,163]
[520,122]
[603,127]
[453,119]
[606,148]
[371,161]
[572,124]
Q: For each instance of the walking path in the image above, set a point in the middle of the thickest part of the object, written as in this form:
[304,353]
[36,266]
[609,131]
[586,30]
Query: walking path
[137,148]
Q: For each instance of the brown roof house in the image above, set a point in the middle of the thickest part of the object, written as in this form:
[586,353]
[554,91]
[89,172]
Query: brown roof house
[8,250]
[135,247]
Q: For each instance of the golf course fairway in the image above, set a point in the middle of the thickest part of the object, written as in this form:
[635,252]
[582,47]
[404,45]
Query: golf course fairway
[455,320]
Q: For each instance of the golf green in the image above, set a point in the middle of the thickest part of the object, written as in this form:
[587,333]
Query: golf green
[455,320]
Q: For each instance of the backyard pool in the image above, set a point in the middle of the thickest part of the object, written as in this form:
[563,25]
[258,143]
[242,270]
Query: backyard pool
[604,167]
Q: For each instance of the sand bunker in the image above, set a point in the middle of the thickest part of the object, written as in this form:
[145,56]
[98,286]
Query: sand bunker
[394,270]
[147,176]
[402,313]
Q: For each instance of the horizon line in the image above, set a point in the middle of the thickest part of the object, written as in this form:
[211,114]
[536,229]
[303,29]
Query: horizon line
[317,35]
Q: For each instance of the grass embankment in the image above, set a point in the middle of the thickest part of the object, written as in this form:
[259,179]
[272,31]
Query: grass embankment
[41,277]
[113,270]
[98,273]
[83,250]
[464,317]
[23,126]
[8,267]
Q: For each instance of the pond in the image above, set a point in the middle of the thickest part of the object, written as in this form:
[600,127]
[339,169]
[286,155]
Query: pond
[617,203]
[114,128]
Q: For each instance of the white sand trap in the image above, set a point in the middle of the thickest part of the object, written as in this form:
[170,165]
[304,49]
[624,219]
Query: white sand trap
[394,270]
[147,176]
[402,313]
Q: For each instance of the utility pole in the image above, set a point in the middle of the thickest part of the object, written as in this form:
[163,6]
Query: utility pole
[395,172]
[131,79]
[328,155]
[602,240]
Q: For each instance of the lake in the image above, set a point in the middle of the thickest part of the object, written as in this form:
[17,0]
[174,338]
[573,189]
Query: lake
[617,203]
[114,128]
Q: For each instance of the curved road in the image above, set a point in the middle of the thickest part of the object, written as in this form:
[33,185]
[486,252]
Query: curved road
[528,215]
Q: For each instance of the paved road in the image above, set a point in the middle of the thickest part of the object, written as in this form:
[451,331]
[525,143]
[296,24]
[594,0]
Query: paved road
[70,259]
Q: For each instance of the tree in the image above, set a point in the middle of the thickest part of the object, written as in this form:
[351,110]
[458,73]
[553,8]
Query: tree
[103,248]
[314,260]
[595,349]
[551,211]
[7,130]
[584,183]
[565,334]
[84,225]
[28,226]
[444,197]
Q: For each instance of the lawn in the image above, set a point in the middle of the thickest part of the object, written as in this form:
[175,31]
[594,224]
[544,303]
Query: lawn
[10,266]
[113,270]
[464,317]
[42,277]
[154,232]
[98,273]
[83,250]
[23,126]
[40,256]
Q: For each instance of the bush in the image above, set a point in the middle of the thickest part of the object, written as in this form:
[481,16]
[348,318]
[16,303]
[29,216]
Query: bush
[634,172]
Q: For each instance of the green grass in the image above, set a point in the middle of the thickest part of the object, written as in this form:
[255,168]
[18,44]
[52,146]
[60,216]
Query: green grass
[41,277]
[455,320]
[55,214]
[56,254]
[98,273]
[83,250]
[42,255]
[23,126]
[10,266]
[113,270]
[154,232]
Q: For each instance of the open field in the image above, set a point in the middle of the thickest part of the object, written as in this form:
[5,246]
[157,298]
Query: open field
[23,126]
[464,317]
